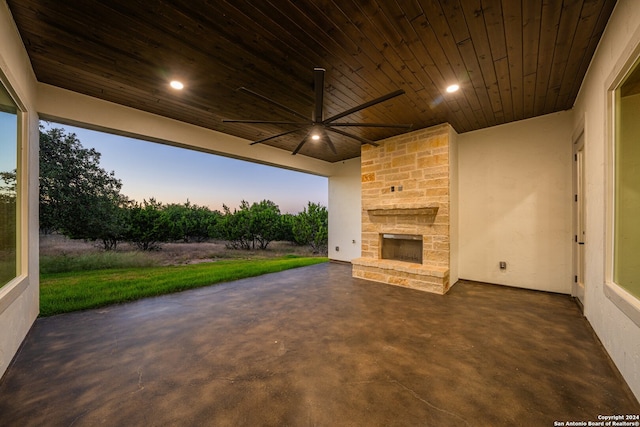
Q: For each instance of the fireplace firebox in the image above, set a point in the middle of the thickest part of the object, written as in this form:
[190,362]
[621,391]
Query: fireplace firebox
[401,247]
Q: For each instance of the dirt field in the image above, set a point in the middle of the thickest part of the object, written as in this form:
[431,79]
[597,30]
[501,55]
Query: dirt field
[172,253]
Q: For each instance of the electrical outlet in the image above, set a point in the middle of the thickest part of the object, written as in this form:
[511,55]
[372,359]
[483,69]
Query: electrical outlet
[337,248]
[503,265]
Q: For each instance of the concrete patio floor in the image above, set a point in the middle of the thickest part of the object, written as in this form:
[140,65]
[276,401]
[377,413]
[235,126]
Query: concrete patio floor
[315,347]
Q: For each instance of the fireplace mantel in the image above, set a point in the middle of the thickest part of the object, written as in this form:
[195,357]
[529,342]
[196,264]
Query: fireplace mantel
[397,210]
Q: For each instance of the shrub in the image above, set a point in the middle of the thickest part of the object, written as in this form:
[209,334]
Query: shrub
[311,227]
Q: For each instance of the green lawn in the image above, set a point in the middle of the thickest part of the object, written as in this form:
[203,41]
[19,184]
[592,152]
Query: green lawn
[72,291]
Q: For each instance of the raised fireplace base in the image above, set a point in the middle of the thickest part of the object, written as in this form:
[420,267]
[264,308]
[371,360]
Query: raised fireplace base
[409,275]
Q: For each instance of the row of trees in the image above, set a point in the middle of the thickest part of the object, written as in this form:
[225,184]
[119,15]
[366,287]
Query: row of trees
[82,201]
[255,226]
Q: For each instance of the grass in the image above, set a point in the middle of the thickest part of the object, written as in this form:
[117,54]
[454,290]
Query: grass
[94,261]
[64,292]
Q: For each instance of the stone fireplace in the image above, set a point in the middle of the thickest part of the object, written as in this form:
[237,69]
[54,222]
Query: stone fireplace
[408,202]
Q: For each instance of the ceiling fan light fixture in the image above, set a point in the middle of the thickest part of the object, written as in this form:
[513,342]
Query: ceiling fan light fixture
[453,88]
[176,84]
[319,125]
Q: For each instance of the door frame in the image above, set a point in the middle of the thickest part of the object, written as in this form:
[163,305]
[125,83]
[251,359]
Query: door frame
[578,285]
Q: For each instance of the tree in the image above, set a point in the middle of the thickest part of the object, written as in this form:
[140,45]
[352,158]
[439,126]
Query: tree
[264,223]
[148,227]
[250,227]
[189,222]
[286,228]
[115,222]
[178,221]
[77,197]
[311,227]
[204,221]
[234,227]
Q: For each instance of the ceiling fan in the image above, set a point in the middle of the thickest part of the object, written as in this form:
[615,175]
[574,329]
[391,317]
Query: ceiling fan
[317,127]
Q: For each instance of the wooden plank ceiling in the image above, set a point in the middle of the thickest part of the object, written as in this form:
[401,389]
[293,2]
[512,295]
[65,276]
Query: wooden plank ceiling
[513,59]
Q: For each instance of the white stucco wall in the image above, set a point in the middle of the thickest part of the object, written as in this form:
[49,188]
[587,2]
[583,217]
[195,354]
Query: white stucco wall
[618,333]
[515,203]
[19,298]
[345,211]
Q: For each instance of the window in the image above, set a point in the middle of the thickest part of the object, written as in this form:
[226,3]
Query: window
[8,187]
[626,194]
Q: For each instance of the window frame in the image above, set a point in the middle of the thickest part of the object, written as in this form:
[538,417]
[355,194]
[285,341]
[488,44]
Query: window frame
[624,300]
[15,287]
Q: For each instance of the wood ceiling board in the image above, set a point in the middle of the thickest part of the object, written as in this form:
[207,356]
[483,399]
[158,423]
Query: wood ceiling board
[603,17]
[301,58]
[588,17]
[512,11]
[494,22]
[531,20]
[514,60]
[504,87]
[551,12]
[388,51]
[477,28]
[439,28]
[567,27]
[438,68]
[378,89]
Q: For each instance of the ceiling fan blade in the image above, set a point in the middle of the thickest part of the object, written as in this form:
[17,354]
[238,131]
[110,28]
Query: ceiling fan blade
[373,125]
[356,137]
[271,101]
[318,84]
[304,141]
[365,105]
[274,136]
[267,122]
[326,138]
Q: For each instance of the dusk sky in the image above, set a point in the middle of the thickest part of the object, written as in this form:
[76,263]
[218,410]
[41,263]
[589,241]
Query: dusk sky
[8,150]
[173,175]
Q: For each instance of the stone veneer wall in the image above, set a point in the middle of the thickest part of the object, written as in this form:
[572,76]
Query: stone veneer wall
[418,163]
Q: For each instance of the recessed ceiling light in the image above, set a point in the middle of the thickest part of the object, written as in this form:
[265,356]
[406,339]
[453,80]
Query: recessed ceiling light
[315,137]
[176,85]
[453,88]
